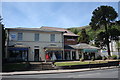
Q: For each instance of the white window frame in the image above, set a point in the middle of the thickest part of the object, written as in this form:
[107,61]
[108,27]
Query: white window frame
[52,37]
[20,36]
[36,37]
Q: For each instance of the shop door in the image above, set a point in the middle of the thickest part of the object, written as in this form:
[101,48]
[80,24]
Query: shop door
[36,55]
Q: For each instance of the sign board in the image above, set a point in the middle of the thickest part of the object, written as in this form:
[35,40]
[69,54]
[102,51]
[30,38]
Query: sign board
[13,36]
[70,39]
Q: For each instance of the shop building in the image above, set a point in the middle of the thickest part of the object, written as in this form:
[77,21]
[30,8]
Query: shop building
[46,44]
[74,50]
[34,44]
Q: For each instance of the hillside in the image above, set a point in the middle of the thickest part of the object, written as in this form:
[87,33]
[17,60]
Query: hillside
[92,34]
[80,28]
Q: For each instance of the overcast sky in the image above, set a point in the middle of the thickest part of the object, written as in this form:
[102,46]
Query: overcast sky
[52,14]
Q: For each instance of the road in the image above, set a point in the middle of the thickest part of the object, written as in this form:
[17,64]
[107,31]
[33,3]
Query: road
[106,73]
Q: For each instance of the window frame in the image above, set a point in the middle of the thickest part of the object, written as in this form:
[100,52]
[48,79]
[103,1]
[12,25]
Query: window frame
[36,37]
[52,37]
[20,36]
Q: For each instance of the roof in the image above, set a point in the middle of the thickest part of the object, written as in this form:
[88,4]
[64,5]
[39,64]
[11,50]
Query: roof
[68,47]
[83,46]
[68,33]
[33,29]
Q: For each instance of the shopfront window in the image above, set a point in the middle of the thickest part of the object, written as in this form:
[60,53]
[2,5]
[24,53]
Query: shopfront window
[54,55]
[18,55]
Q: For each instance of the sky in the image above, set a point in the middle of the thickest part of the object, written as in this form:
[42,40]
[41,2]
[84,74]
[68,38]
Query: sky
[52,14]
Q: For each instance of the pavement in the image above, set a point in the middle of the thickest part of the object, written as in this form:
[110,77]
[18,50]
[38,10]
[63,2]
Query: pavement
[52,71]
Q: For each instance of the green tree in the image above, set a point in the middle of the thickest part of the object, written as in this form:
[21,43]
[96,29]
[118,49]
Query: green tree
[102,17]
[100,40]
[114,34]
[84,38]
[74,30]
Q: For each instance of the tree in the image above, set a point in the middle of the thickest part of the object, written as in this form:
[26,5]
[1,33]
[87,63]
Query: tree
[100,40]
[102,17]
[114,34]
[84,38]
[74,30]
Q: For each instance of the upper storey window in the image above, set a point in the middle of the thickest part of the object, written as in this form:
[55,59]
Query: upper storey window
[52,37]
[20,36]
[36,37]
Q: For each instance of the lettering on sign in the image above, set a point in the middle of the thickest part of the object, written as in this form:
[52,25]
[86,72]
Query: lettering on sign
[70,39]
[13,37]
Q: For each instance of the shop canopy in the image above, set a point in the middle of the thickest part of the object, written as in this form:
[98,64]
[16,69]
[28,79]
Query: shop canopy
[89,50]
[17,48]
[53,48]
[85,47]
[67,47]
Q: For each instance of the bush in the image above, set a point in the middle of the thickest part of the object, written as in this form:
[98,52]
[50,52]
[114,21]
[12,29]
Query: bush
[81,59]
[99,57]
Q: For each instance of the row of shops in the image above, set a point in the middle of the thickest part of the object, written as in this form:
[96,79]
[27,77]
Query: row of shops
[69,52]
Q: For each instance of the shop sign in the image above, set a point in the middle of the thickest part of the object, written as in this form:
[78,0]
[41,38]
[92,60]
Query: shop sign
[70,39]
[13,36]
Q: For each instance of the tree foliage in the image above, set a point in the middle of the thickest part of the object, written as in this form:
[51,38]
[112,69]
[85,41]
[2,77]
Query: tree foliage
[74,30]
[103,16]
[84,38]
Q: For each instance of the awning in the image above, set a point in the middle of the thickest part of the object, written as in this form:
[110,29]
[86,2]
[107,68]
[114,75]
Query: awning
[89,50]
[17,48]
[84,46]
[67,47]
[53,48]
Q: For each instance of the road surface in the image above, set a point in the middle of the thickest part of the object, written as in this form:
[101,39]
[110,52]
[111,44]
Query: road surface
[106,73]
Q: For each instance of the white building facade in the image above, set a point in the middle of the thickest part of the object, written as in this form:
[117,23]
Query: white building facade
[33,44]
